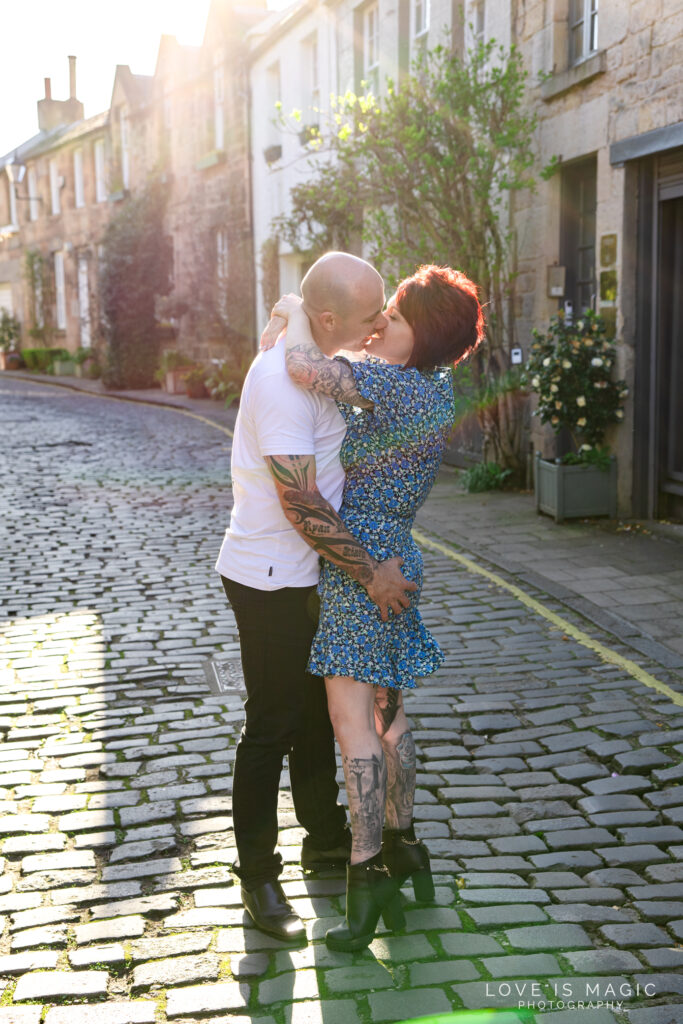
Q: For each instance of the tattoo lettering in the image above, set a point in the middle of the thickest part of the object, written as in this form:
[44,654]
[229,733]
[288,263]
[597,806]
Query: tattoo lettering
[401,773]
[366,787]
[315,519]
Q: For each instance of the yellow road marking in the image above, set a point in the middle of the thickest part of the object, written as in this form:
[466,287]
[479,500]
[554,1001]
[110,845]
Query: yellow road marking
[567,628]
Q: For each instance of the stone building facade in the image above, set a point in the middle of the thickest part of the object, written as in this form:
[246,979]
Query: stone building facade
[606,87]
[185,125]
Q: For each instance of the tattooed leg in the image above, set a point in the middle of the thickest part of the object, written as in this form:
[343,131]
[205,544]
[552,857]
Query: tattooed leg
[388,701]
[399,752]
[351,706]
[366,786]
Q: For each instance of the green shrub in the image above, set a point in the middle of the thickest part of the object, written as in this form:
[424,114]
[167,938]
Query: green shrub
[41,359]
[485,476]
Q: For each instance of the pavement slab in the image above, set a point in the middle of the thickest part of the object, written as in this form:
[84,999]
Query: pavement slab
[549,784]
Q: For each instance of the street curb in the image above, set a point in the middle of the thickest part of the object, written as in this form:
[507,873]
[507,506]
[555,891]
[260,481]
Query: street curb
[221,418]
[626,632]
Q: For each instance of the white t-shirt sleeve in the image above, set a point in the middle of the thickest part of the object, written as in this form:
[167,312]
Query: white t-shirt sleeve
[283,416]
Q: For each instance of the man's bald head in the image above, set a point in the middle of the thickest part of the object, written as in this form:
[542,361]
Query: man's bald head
[343,297]
[337,282]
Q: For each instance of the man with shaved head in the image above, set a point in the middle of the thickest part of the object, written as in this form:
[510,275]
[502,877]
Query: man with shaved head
[287,486]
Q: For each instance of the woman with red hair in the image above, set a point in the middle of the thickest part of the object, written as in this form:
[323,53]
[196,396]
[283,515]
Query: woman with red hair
[399,411]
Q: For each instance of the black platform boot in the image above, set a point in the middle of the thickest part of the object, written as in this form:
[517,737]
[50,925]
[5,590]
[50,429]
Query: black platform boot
[370,894]
[407,857]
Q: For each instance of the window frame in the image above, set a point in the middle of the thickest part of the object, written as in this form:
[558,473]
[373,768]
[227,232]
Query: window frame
[60,290]
[100,159]
[32,186]
[583,15]
[55,198]
[125,150]
[425,7]
[218,81]
[79,179]
[12,197]
[370,65]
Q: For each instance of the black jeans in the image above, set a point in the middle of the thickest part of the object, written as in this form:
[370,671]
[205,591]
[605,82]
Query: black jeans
[286,713]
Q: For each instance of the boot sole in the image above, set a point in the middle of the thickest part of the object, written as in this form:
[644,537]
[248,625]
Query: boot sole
[324,865]
[349,945]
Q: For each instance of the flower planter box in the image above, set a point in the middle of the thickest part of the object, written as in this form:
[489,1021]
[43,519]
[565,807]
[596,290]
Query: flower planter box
[575,492]
[64,368]
[10,360]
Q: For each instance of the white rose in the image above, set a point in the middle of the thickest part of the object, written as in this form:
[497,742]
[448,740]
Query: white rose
[547,361]
[619,414]
[597,361]
[582,422]
[586,448]
[566,364]
[581,401]
[554,389]
[535,381]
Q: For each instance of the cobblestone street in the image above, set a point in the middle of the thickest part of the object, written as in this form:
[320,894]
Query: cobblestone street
[550,776]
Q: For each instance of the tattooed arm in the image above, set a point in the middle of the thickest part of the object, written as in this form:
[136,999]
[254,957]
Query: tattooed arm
[310,369]
[319,525]
[306,364]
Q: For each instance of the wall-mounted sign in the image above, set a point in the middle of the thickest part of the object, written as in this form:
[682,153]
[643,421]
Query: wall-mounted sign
[556,282]
[516,356]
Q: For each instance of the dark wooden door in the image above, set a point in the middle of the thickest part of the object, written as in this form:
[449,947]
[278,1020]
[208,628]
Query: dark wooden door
[670,357]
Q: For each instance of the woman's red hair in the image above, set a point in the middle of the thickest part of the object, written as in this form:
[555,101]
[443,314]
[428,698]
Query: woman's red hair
[443,309]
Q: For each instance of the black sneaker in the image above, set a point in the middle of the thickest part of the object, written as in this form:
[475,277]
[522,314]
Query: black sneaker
[313,859]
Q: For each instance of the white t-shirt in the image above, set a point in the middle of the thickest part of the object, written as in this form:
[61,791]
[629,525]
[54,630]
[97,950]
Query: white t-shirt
[261,549]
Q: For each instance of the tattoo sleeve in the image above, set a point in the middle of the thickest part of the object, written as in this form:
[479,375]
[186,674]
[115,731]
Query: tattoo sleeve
[313,517]
[310,369]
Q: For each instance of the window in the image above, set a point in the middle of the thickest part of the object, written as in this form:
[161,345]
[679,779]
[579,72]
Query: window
[125,153]
[577,232]
[79,188]
[54,188]
[32,194]
[420,18]
[84,302]
[218,102]
[273,99]
[583,29]
[371,47]
[60,294]
[311,73]
[13,219]
[222,268]
[100,173]
[478,22]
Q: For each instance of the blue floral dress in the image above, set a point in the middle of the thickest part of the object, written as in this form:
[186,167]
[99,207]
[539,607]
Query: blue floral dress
[391,455]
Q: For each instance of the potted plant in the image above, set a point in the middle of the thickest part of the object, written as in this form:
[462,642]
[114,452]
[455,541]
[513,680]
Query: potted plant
[195,383]
[64,364]
[225,381]
[173,369]
[570,370]
[10,334]
[87,363]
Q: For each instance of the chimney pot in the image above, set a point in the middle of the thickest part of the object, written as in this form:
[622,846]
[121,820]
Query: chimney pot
[72,78]
[48,89]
